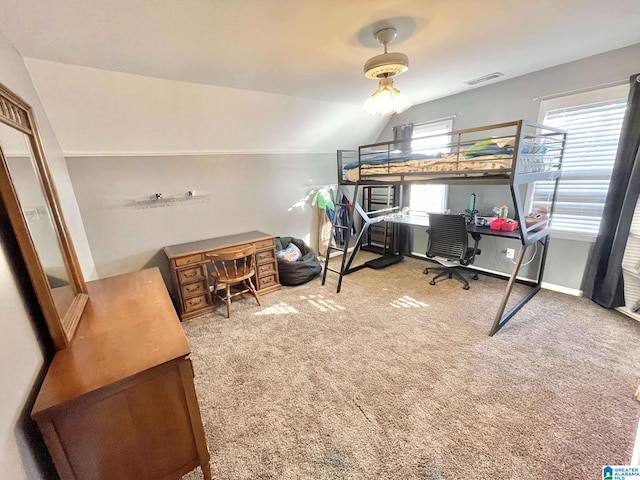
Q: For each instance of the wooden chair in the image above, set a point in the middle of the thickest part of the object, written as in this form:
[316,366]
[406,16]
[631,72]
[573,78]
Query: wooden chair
[233,267]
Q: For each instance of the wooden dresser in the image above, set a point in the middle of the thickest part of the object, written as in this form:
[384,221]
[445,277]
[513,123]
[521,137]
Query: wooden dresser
[119,403]
[189,269]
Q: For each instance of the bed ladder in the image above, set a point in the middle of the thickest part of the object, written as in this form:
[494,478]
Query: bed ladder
[367,219]
[345,202]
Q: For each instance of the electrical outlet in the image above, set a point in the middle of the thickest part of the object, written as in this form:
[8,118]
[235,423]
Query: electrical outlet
[511,253]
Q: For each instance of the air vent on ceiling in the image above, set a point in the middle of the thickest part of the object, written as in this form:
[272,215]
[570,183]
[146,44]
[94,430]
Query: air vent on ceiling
[486,78]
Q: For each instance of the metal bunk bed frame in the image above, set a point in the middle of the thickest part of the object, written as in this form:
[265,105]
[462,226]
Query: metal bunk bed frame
[514,177]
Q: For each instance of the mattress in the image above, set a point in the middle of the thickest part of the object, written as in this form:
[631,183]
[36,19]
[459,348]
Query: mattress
[469,165]
[480,165]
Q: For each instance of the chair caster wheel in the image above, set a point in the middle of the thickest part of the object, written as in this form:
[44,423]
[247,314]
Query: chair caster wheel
[425,271]
[432,282]
[466,287]
[474,277]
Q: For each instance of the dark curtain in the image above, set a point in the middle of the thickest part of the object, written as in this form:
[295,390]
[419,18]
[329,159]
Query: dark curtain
[402,134]
[604,282]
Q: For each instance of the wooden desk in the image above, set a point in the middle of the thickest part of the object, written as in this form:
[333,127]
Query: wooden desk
[190,272]
[423,221]
[119,403]
[474,229]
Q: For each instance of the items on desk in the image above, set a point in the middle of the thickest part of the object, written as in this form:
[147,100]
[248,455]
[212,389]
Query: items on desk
[470,213]
[538,215]
[484,221]
[505,224]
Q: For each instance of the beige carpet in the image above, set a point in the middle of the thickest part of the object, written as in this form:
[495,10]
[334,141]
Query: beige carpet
[396,379]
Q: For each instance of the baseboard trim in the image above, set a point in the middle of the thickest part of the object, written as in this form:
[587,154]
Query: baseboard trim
[559,288]
[546,285]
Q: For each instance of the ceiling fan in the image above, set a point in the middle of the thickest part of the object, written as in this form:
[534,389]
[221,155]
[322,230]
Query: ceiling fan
[387,100]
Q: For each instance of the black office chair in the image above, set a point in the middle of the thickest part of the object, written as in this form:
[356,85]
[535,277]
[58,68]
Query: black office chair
[448,239]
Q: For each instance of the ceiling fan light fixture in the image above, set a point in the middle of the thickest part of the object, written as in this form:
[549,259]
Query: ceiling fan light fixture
[387,100]
[387,64]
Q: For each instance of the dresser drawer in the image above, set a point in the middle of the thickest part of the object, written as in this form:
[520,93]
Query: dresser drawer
[265,256]
[195,303]
[267,281]
[198,272]
[191,289]
[264,243]
[266,268]
[181,262]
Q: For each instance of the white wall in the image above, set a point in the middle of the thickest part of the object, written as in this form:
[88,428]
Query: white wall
[21,364]
[99,112]
[19,81]
[247,192]
[21,356]
[513,100]
[127,136]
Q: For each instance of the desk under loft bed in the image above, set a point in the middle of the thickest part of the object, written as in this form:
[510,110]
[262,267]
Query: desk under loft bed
[516,154]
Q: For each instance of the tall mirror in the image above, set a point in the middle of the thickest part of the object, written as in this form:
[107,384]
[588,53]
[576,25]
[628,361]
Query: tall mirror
[32,205]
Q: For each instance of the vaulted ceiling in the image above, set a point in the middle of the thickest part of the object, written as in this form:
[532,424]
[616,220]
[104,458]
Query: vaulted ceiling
[255,76]
[316,48]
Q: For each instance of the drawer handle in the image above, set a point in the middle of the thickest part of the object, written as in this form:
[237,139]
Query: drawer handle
[193,288]
[267,281]
[191,274]
[194,303]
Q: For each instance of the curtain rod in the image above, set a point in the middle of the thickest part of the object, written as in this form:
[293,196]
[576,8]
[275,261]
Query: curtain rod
[424,123]
[435,120]
[580,90]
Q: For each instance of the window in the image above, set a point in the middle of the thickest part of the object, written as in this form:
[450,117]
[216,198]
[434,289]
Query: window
[425,199]
[593,121]
[430,198]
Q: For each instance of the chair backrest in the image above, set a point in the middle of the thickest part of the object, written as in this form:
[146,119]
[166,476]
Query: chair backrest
[448,236]
[233,263]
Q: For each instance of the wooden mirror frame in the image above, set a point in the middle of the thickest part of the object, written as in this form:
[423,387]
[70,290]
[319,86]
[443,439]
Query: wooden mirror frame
[16,113]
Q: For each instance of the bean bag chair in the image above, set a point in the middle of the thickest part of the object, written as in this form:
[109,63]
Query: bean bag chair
[297,263]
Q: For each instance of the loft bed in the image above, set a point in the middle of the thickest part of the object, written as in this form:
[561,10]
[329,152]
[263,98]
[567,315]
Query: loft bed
[515,151]
[515,154]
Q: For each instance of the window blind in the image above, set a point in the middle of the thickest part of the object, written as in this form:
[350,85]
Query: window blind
[590,151]
[430,198]
[426,199]
[436,136]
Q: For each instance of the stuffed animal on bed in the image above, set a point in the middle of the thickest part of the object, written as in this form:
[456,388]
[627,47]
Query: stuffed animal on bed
[541,213]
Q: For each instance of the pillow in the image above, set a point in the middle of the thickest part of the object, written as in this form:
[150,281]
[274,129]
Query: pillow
[480,145]
[482,148]
[505,141]
[291,253]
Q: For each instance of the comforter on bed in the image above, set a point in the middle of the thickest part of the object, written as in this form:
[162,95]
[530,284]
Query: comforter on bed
[484,157]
